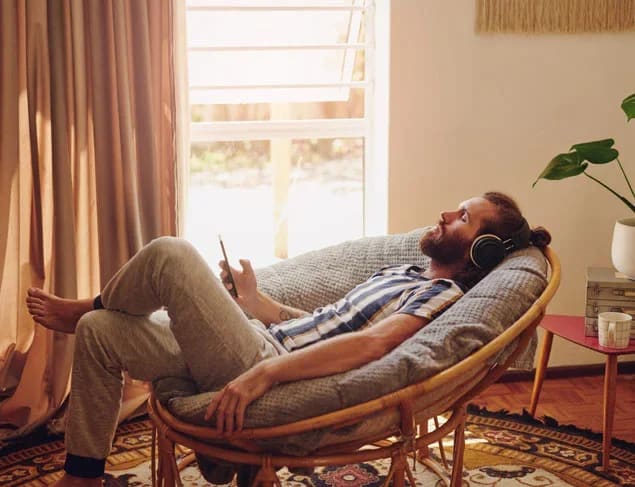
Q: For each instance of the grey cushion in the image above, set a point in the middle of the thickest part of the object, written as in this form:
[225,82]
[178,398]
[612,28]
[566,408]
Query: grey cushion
[320,277]
[323,276]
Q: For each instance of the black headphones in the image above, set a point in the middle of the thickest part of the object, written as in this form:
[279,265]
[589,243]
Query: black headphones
[488,250]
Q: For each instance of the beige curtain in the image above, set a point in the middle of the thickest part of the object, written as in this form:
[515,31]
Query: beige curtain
[88,171]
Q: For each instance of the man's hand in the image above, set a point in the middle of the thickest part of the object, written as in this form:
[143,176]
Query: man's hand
[251,300]
[230,403]
[245,280]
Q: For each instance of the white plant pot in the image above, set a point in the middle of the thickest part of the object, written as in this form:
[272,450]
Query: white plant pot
[623,249]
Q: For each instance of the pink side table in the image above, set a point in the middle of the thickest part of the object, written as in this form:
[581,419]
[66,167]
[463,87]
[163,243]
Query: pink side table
[572,328]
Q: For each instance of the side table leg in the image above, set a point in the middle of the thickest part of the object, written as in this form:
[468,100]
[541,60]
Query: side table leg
[610,380]
[541,368]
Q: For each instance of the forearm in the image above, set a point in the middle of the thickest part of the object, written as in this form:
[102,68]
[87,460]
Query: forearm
[338,354]
[343,352]
[270,311]
[327,358]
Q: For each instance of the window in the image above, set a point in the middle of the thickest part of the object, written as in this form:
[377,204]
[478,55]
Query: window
[283,101]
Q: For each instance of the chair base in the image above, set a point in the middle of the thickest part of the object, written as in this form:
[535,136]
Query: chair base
[259,469]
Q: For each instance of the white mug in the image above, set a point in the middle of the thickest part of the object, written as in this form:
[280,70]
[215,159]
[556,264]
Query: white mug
[614,329]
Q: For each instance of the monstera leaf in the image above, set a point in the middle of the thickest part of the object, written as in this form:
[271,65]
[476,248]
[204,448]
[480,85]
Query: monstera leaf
[628,105]
[579,156]
[597,152]
[563,166]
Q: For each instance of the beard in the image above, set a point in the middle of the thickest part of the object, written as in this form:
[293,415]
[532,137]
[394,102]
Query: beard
[443,248]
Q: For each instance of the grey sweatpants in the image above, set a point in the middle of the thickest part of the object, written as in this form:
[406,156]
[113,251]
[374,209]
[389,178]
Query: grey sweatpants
[207,338]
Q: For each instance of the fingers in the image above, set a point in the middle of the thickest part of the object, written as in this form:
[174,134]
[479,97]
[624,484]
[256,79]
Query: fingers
[223,270]
[229,412]
[240,414]
[246,265]
[221,411]
[211,409]
[224,275]
[225,412]
[229,407]
[222,405]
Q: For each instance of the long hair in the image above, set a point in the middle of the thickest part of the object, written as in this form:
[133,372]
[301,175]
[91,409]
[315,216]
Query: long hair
[508,220]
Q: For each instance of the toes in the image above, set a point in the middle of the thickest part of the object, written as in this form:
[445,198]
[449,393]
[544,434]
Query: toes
[36,293]
[34,300]
[36,310]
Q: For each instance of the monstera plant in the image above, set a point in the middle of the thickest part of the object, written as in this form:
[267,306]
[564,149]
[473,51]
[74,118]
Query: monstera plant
[577,161]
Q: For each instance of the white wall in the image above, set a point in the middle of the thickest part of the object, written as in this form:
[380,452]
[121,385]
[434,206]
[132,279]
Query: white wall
[469,113]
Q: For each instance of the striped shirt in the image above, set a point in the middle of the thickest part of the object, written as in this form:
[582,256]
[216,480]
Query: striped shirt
[394,289]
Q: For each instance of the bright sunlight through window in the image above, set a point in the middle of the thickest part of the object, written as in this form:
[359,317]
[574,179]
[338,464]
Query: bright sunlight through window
[281,98]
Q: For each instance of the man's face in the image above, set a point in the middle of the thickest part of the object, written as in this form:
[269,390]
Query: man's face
[449,241]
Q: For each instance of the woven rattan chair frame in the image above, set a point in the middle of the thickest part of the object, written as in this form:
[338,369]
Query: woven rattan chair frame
[407,435]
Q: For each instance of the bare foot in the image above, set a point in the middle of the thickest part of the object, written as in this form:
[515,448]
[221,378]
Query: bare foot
[69,480]
[56,313]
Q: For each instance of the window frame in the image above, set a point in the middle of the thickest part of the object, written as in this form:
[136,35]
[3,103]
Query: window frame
[374,131]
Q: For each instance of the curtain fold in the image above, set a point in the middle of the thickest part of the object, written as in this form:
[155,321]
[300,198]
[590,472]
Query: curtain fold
[88,172]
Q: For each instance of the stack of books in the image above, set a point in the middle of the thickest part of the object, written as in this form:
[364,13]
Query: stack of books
[607,290]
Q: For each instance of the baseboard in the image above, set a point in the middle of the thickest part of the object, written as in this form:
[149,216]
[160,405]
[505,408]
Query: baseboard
[566,371]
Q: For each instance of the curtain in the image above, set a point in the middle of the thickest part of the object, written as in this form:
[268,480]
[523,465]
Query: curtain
[88,171]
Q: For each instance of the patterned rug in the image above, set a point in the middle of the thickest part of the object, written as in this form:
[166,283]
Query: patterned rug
[502,450]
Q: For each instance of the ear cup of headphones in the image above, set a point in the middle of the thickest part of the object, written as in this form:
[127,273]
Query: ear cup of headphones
[487,251]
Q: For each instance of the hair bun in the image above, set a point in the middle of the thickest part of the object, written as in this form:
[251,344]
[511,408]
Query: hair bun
[540,237]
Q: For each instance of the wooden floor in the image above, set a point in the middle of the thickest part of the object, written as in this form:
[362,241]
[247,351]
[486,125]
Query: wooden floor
[575,401]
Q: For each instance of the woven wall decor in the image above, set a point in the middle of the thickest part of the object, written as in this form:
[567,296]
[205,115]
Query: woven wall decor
[555,16]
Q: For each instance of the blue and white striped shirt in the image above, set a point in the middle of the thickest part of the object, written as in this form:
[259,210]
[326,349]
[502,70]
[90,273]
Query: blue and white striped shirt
[394,289]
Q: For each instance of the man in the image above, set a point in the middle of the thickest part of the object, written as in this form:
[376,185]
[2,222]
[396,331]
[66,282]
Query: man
[210,339]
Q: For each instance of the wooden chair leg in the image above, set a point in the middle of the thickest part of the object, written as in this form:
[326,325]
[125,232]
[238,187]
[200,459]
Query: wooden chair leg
[410,477]
[458,450]
[399,469]
[610,379]
[424,451]
[390,474]
[539,377]
[266,476]
[423,455]
[441,450]
[153,457]
[186,461]
[167,471]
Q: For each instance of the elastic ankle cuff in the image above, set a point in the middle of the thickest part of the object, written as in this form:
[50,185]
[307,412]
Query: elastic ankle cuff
[97,304]
[86,467]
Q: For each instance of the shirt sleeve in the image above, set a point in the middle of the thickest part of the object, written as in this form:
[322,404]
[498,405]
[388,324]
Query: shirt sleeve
[431,299]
